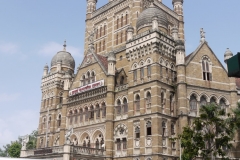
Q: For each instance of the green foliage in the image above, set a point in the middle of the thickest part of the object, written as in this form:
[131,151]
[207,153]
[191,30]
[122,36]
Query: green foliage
[32,140]
[209,135]
[14,149]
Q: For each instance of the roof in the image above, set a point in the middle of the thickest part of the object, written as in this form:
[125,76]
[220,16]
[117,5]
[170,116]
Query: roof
[103,60]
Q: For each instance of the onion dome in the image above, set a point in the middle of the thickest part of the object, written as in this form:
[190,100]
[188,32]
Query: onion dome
[228,54]
[64,57]
[145,18]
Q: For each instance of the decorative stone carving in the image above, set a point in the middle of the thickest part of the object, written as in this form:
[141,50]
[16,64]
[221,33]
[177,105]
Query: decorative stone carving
[25,140]
[67,136]
[91,35]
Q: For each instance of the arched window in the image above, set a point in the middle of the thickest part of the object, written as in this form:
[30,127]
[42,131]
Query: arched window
[148,100]
[118,142]
[103,45]
[43,124]
[125,105]
[59,120]
[135,75]
[222,104]
[118,108]
[137,102]
[100,45]
[206,70]
[75,116]
[149,128]
[122,21]
[124,141]
[142,72]
[149,70]
[93,77]
[97,34]
[103,109]
[71,117]
[86,114]
[49,123]
[171,104]
[81,115]
[121,38]
[213,101]
[91,112]
[126,19]
[117,23]
[97,144]
[162,99]
[84,143]
[104,29]
[193,103]
[164,129]
[172,129]
[122,80]
[117,39]
[100,31]
[203,101]
[89,79]
[137,132]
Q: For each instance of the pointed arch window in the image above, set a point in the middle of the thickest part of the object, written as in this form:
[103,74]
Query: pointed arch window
[137,102]
[122,21]
[81,115]
[91,112]
[203,101]
[103,109]
[100,45]
[149,128]
[88,78]
[118,107]
[171,104]
[142,72]
[162,99]
[148,100]
[125,105]
[71,117]
[86,114]
[126,18]
[149,70]
[193,103]
[207,75]
[117,23]
[59,120]
[137,132]
[118,144]
[84,143]
[100,32]
[172,129]
[93,77]
[213,101]
[164,129]
[135,75]
[104,30]
[75,116]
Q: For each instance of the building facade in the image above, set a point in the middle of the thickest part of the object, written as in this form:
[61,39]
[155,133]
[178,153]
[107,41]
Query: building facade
[134,89]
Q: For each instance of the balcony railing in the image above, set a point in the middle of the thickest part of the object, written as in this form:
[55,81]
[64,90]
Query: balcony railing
[88,151]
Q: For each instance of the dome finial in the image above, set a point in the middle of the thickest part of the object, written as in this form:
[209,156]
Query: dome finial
[64,46]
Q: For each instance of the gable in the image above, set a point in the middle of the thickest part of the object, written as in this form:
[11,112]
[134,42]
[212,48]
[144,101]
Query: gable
[194,71]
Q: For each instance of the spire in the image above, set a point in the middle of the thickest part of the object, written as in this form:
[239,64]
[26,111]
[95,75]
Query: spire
[64,46]
[202,34]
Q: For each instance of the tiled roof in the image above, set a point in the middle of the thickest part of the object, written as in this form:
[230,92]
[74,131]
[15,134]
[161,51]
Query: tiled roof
[103,60]
[187,57]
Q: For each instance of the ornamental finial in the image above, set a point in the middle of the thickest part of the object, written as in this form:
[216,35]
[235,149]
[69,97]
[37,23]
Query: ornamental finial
[64,46]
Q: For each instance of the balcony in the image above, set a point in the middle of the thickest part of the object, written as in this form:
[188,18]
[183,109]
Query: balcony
[60,151]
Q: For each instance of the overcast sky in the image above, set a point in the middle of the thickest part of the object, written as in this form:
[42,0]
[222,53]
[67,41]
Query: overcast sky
[32,31]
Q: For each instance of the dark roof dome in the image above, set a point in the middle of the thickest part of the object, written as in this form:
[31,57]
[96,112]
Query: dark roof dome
[145,18]
[64,57]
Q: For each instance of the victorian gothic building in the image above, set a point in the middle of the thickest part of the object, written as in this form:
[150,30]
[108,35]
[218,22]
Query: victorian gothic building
[134,89]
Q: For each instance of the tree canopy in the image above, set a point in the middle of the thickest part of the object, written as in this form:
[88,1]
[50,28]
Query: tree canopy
[210,135]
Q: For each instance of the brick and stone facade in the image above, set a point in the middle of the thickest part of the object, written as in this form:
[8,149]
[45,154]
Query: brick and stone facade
[134,89]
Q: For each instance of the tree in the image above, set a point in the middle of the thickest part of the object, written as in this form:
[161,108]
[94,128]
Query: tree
[209,136]
[14,149]
[32,140]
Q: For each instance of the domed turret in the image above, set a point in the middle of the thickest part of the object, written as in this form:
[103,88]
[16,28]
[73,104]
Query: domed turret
[144,21]
[64,58]
[228,54]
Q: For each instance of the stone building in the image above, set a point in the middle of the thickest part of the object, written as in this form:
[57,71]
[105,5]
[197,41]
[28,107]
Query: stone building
[134,89]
